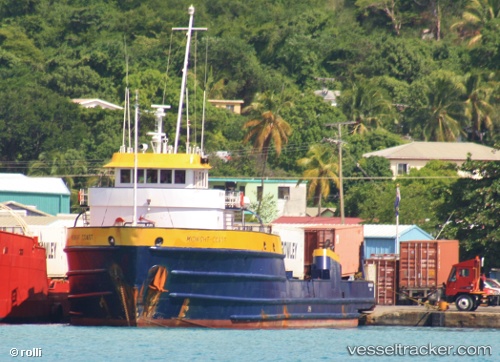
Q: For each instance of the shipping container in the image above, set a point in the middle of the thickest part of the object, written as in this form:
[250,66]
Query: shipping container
[386,275]
[424,265]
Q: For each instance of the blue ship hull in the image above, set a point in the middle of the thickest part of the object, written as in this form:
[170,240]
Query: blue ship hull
[222,288]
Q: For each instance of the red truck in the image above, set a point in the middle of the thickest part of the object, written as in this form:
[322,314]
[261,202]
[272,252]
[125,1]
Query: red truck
[465,287]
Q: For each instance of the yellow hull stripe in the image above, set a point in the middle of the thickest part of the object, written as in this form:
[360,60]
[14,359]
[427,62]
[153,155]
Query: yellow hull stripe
[180,238]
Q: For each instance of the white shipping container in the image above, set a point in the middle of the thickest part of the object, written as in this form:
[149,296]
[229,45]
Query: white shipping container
[292,241]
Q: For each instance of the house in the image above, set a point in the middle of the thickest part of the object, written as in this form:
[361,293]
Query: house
[47,194]
[416,154]
[385,239]
[328,96]
[290,198]
[231,105]
[94,102]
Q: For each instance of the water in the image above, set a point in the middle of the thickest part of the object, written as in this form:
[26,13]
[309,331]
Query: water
[64,342]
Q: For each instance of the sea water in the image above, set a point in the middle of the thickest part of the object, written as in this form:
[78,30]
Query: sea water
[60,342]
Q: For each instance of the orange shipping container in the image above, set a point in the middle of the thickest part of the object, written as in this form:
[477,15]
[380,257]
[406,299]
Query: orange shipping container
[345,240]
[426,264]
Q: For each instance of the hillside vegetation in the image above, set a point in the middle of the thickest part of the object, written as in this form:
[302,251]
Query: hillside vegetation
[403,70]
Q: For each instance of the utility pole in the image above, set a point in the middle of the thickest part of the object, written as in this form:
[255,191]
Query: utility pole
[339,142]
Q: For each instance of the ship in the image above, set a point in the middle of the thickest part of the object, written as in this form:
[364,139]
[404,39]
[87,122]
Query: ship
[27,294]
[160,248]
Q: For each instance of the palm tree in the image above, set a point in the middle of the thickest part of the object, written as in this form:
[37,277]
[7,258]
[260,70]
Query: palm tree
[366,104]
[268,128]
[477,14]
[478,108]
[443,114]
[321,167]
[66,165]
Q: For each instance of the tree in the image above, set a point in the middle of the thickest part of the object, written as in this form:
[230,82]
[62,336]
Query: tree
[321,167]
[476,15]
[478,108]
[440,114]
[389,7]
[367,105]
[269,127]
[69,165]
[472,207]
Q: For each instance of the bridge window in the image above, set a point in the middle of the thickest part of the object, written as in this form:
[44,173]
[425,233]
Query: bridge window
[126,176]
[151,176]
[165,176]
[180,176]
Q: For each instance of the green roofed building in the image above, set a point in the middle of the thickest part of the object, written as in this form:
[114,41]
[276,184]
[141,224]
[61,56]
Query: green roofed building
[47,194]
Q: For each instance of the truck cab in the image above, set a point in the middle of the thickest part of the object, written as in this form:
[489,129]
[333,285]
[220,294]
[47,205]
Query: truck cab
[465,286]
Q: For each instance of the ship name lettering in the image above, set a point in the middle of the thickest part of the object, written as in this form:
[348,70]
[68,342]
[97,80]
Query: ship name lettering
[290,250]
[205,239]
[87,237]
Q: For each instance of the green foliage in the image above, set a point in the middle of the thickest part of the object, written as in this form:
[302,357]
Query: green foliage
[266,208]
[420,69]
[471,209]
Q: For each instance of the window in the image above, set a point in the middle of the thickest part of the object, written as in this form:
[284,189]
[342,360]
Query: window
[151,176]
[463,272]
[140,176]
[403,168]
[283,193]
[259,193]
[180,176]
[125,176]
[165,176]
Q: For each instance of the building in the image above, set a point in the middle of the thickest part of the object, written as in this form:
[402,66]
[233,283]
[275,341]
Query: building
[47,194]
[328,96]
[324,212]
[416,154]
[385,239]
[290,197]
[94,102]
[231,105]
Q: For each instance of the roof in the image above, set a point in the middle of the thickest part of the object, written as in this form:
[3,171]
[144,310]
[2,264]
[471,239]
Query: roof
[445,151]
[157,161]
[22,209]
[16,182]
[94,102]
[315,221]
[226,101]
[389,231]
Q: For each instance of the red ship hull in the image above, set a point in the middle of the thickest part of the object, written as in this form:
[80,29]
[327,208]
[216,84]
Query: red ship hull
[25,296]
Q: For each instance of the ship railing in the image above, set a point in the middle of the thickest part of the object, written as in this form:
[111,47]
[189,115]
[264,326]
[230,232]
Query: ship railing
[254,227]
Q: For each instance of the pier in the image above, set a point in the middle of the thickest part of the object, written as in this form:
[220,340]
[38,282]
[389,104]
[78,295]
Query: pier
[427,316]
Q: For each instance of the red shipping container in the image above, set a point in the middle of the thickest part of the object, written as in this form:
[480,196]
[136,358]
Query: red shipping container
[426,264]
[386,274]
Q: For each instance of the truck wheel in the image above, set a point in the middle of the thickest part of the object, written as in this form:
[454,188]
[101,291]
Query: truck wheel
[464,302]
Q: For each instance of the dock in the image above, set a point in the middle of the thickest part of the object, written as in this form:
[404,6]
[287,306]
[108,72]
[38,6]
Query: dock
[425,316]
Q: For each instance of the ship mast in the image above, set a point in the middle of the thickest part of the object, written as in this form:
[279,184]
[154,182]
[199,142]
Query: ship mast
[184,72]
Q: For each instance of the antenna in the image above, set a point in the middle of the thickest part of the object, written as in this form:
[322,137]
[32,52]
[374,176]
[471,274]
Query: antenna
[159,139]
[184,73]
